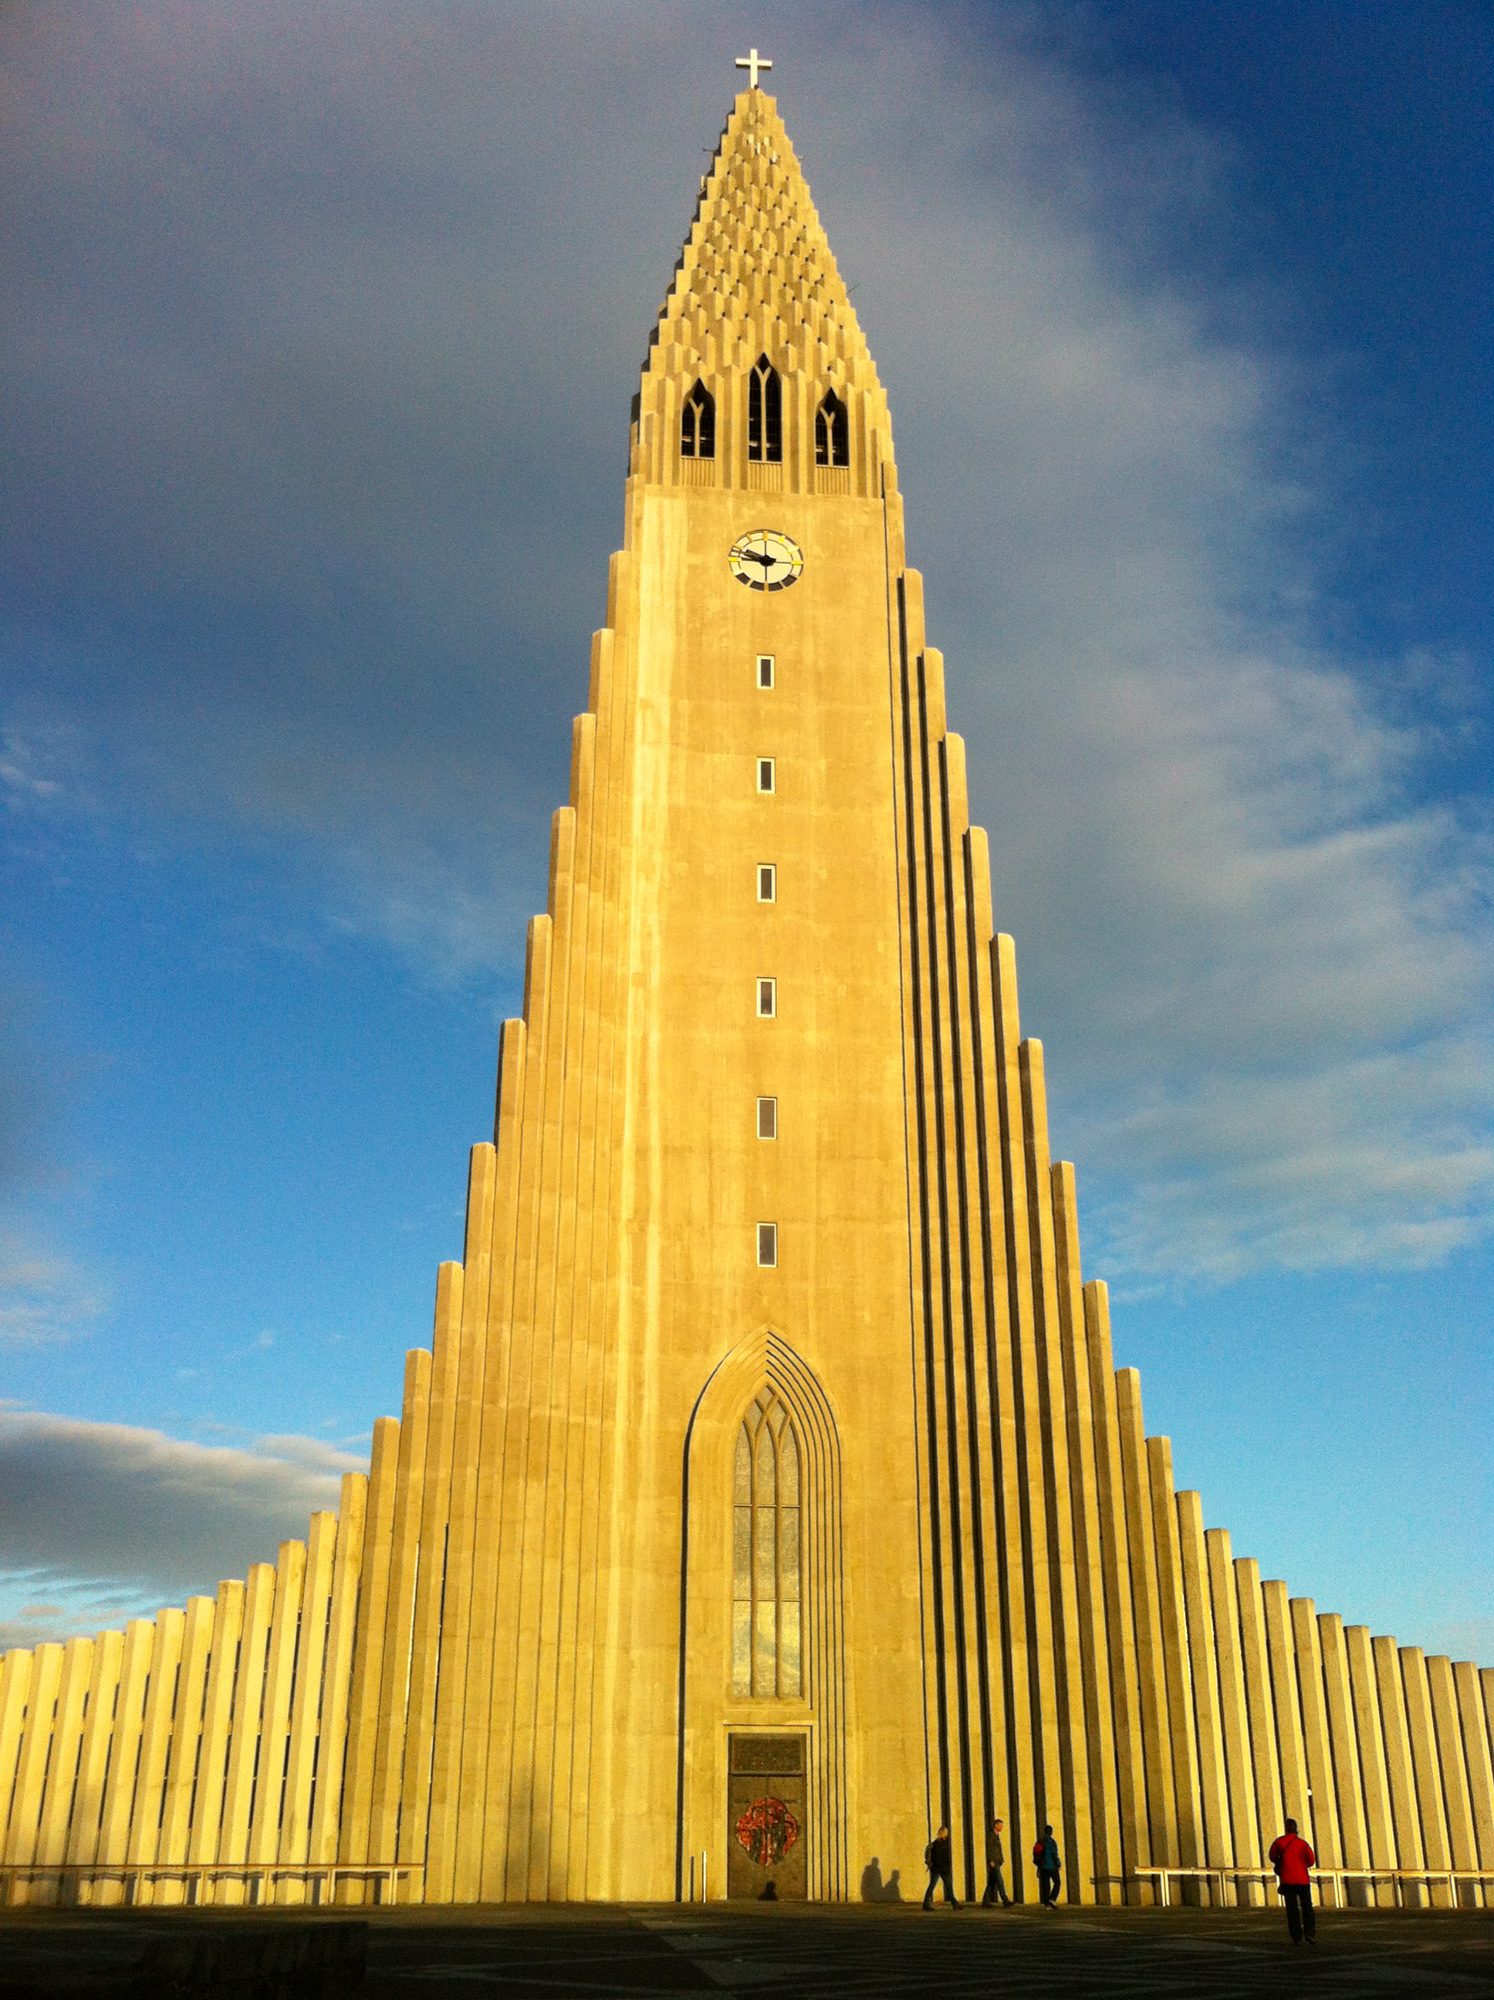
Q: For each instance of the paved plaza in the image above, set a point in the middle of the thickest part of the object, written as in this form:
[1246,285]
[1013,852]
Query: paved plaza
[595,1952]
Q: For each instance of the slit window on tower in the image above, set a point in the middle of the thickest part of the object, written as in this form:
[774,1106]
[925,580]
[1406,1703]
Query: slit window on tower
[698,424]
[832,432]
[766,776]
[767,1118]
[767,999]
[767,1554]
[765,670]
[767,1245]
[765,414]
[767,882]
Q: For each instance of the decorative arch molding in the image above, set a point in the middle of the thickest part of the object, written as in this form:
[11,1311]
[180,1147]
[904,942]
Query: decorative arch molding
[708,1710]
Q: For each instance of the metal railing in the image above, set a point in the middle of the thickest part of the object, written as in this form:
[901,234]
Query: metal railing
[1399,1879]
[257,1876]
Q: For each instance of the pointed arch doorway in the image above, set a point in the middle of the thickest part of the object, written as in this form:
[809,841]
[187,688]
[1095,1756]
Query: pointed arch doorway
[762,1749]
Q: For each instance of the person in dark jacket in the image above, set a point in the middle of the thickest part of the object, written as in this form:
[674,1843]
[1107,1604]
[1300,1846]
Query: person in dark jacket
[995,1860]
[1045,1860]
[937,1855]
[1291,1857]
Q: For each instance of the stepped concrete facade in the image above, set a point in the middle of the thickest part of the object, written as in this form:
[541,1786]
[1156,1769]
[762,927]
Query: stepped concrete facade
[768,1494]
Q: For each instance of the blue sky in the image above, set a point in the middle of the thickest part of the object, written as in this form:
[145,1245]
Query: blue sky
[323,333]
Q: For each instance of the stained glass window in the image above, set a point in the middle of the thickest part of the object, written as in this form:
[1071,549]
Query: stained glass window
[767,1557]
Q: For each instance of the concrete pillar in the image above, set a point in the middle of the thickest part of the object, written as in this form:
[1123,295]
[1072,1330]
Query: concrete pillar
[31,1767]
[1480,1762]
[396,1738]
[1093,1650]
[274,1726]
[1037,1555]
[1452,1767]
[307,1699]
[124,1757]
[1151,1659]
[347,1563]
[62,1768]
[1203,1657]
[1431,1810]
[1255,1658]
[1175,1660]
[1120,1623]
[1325,1836]
[1379,1823]
[1410,1852]
[155,1749]
[368,1658]
[470,1882]
[217,1718]
[1286,1702]
[184,1763]
[1234,1716]
[1069,1664]
[243,1740]
[1343,1735]
[98,1736]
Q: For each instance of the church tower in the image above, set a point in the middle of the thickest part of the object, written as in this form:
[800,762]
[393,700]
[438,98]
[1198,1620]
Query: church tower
[768,1495]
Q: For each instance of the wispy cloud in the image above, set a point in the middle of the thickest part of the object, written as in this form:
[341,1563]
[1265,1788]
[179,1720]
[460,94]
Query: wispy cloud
[349,395]
[43,1297]
[101,1521]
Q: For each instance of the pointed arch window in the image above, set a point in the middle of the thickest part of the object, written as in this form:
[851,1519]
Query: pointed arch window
[765,414]
[767,1555]
[698,424]
[832,432]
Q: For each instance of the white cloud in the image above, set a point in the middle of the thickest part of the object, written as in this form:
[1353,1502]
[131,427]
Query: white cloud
[44,1297]
[103,1521]
[376,429]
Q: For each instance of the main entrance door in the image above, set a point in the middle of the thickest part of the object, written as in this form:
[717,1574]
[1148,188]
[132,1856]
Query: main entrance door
[765,1817]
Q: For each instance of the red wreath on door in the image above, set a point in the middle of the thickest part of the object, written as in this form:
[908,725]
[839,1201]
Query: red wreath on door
[767,1830]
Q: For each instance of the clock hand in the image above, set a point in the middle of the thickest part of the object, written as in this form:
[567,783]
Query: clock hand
[752,555]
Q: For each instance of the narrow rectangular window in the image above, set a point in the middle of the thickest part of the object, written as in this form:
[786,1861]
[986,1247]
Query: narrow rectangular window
[765,670]
[767,999]
[767,1118]
[767,776]
[767,1245]
[767,882]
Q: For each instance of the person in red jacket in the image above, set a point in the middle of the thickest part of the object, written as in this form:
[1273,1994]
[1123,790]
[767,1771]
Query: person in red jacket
[1291,1857]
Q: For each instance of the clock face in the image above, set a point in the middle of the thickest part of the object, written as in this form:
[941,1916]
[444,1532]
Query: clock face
[766,560]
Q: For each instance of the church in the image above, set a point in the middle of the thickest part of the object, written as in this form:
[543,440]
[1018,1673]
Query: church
[768,1495]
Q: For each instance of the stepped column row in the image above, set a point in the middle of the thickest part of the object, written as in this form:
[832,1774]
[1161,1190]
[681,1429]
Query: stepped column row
[195,1753]
[1097,1658]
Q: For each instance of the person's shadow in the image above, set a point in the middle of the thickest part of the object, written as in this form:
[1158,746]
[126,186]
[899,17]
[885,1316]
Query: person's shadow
[874,1889]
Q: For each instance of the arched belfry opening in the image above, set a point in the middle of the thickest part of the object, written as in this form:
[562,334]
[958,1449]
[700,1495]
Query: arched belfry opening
[698,424]
[832,431]
[764,414]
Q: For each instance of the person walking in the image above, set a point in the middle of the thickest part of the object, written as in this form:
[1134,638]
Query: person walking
[1045,1860]
[937,1855]
[995,1860]
[1291,1857]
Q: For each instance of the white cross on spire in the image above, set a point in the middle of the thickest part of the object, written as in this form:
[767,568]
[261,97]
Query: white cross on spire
[752,64]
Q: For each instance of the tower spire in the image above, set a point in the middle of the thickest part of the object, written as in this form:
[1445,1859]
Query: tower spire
[757,278]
